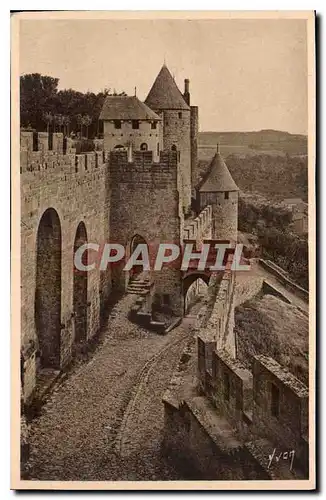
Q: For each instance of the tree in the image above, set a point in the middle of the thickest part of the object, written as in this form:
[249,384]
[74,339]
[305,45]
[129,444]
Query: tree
[87,120]
[48,118]
[37,96]
[80,122]
[66,123]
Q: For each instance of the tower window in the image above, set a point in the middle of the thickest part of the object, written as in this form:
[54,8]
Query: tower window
[143,147]
[117,123]
[135,124]
[180,115]
[173,147]
[153,125]
[275,400]
[226,195]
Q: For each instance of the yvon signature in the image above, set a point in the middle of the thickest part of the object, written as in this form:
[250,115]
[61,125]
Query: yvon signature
[284,455]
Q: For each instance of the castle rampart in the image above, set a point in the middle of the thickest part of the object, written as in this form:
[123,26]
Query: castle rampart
[144,202]
[73,189]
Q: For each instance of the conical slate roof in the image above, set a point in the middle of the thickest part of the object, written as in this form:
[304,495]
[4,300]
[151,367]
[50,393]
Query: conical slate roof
[126,108]
[164,93]
[218,177]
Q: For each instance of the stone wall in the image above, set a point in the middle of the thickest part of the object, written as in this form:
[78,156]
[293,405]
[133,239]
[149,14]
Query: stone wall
[126,136]
[217,327]
[226,429]
[200,228]
[144,201]
[224,213]
[194,120]
[176,133]
[287,423]
[75,187]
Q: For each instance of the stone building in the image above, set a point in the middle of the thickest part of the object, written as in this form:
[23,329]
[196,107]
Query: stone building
[137,189]
[129,123]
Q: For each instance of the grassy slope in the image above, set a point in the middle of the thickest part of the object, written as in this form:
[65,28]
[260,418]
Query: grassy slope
[265,325]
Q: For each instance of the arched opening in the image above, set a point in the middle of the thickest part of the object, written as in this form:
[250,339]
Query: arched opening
[119,146]
[136,270]
[48,290]
[80,288]
[173,147]
[195,288]
[143,147]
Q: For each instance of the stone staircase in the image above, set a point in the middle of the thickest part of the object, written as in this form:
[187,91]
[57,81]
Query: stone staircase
[139,286]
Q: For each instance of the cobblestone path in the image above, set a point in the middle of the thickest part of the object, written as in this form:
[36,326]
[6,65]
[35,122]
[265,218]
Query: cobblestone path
[104,422]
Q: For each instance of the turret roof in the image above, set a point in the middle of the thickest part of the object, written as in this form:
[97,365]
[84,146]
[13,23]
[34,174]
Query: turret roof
[126,108]
[164,93]
[218,177]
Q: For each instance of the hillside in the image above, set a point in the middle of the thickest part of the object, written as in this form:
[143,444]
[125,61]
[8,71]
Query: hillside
[264,141]
[268,162]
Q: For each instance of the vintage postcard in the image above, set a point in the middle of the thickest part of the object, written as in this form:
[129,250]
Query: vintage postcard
[163,250]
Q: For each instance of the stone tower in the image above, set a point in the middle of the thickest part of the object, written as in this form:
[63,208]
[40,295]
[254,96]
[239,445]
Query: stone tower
[167,101]
[219,190]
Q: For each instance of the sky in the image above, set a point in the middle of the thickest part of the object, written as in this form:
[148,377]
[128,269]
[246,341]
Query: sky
[244,74]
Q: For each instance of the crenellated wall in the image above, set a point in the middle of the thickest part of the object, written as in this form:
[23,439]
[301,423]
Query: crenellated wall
[144,202]
[227,421]
[200,228]
[75,187]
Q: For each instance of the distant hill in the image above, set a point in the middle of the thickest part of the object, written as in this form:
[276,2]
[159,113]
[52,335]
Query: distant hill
[269,162]
[264,141]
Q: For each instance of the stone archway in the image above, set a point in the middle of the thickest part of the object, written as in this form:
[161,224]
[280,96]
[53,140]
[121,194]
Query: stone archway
[80,288]
[193,289]
[136,270]
[48,290]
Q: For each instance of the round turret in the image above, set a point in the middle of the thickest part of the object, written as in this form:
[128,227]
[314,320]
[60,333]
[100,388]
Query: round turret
[219,190]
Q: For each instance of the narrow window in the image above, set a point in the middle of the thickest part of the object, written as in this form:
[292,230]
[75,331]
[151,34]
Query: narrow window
[180,115]
[117,123]
[226,386]
[226,195]
[158,148]
[143,147]
[275,400]
[135,124]
[153,125]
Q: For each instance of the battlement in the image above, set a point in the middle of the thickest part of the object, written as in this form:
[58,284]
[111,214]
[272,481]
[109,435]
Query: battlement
[199,228]
[268,401]
[36,156]
[139,168]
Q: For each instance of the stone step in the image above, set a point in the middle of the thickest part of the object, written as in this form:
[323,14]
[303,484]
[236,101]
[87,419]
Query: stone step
[137,292]
[140,283]
[137,288]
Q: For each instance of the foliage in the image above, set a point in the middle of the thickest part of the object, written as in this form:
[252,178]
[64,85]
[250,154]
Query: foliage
[44,107]
[273,176]
[271,223]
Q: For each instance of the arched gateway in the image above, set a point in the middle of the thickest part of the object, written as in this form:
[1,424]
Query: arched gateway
[48,290]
